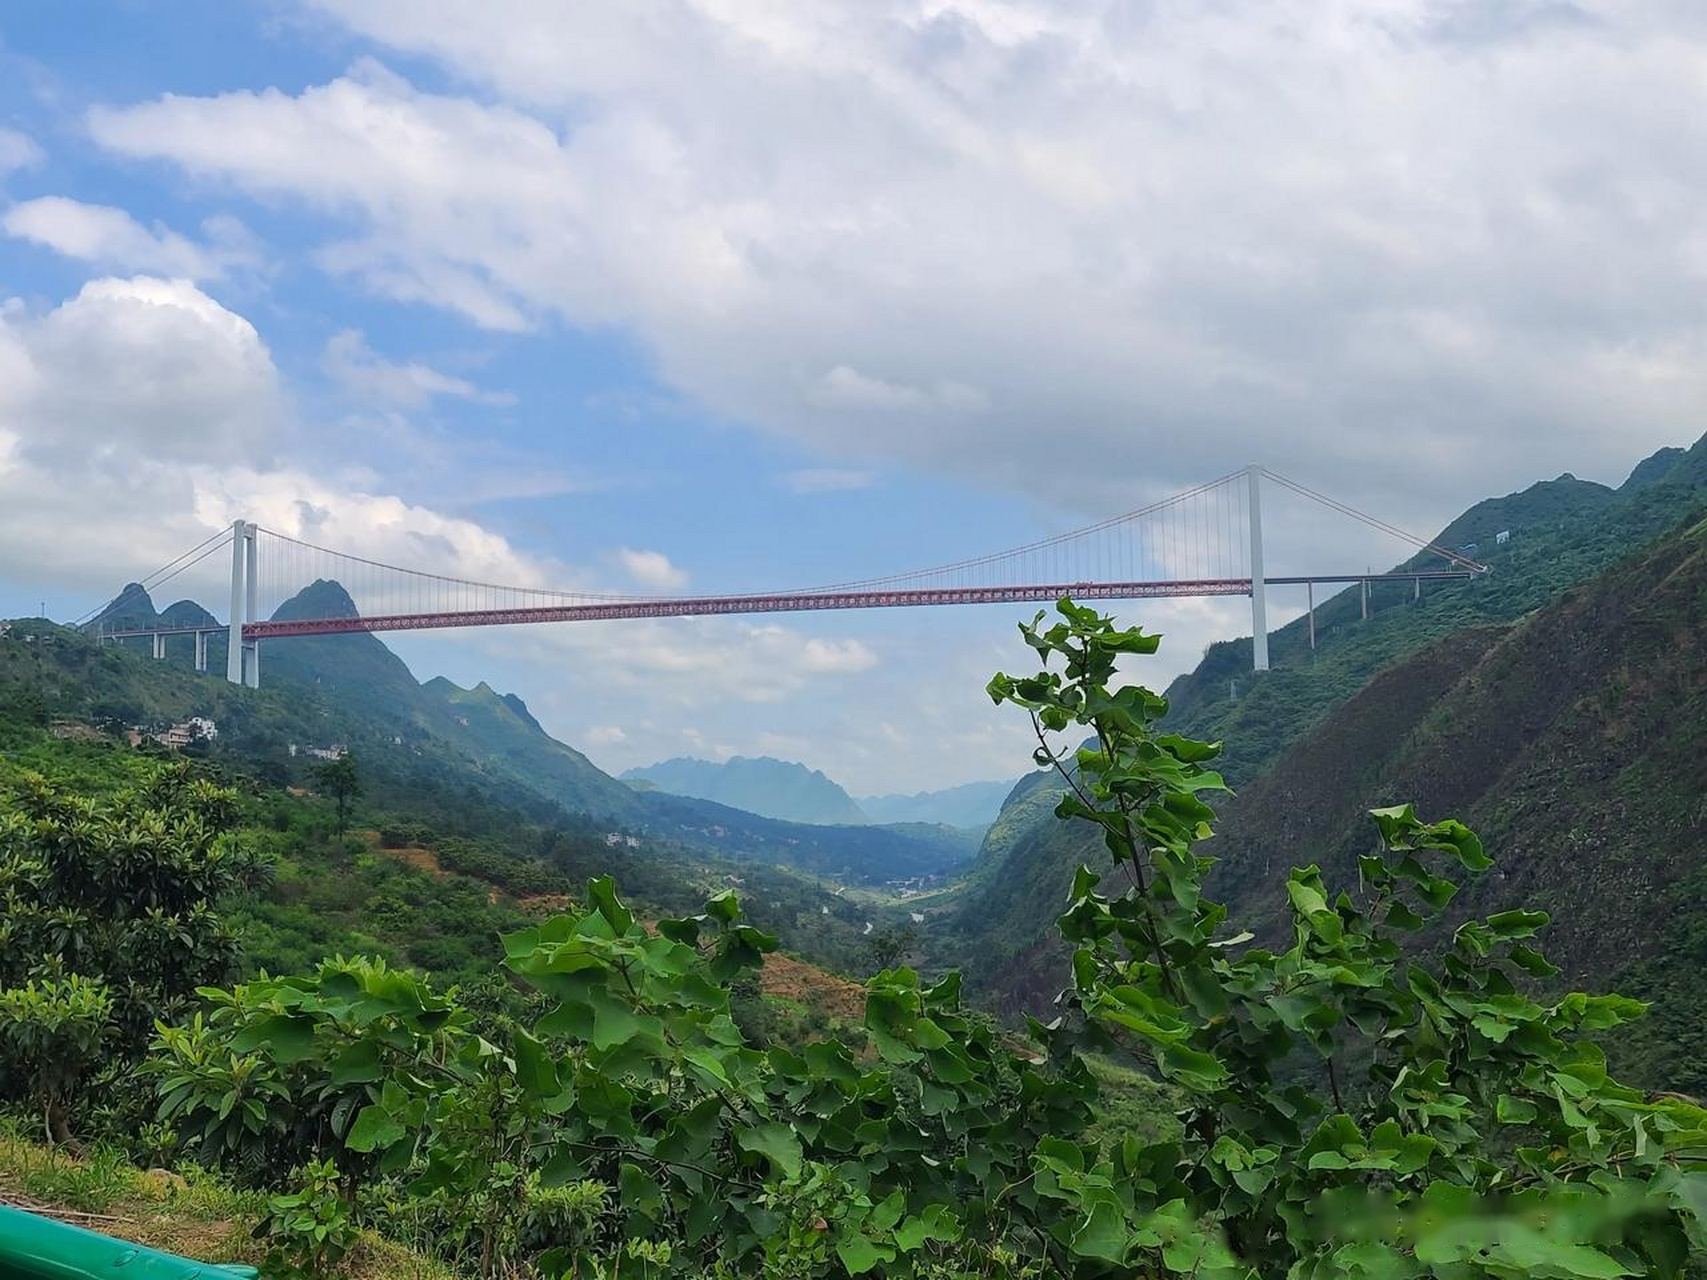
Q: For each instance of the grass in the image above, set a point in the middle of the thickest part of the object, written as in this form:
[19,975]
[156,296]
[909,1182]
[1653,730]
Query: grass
[187,1212]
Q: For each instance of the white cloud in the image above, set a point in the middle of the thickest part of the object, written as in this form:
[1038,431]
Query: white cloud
[17,151]
[651,569]
[951,234]
[605,735]
[109,237]
[826,480]
[145,366]
[370,377]
[836,656]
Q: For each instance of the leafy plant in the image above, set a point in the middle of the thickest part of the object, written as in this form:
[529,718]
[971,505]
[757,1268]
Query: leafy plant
[1351,1105]
[51,1036]
[109,924]
[310,1228]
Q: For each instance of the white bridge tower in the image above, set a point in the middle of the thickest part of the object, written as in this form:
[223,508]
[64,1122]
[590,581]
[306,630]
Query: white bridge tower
[243,660]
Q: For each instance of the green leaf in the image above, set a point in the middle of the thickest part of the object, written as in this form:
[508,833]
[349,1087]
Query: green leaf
[287,1039]
[375,1129]
[1516,924]
[536,1072]
[1102,1235]
[859,1253]
[776,1142]
[359,1064]
[601,892]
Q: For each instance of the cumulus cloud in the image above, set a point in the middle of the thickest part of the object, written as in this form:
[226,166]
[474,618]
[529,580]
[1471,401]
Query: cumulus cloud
[836,656]
[411,385]
[110,237]
[847,388]
[1426,238]
[651,569]
[143,366]
[140,416]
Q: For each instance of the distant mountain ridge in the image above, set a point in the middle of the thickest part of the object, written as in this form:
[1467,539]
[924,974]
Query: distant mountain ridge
[796,792]
[972,804]
[759,784]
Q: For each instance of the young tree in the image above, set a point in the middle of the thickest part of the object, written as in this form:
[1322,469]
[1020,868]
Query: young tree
[108,924]
[339,779]
[891,945]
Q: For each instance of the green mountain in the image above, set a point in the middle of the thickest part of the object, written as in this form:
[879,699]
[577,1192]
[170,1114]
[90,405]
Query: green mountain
[352,691]
[973,804]
[1341,709]
[1571,742]
[1561,532]
[759,784]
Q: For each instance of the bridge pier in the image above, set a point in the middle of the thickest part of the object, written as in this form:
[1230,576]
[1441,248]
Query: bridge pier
[1310,609]
[201,651]
[159,647]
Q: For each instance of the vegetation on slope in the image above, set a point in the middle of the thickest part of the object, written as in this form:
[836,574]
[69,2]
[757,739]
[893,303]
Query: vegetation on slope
[607,1115]
[451,756]
[1563,532]
[1571,738]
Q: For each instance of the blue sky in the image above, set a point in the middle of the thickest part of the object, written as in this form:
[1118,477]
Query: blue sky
[715,296]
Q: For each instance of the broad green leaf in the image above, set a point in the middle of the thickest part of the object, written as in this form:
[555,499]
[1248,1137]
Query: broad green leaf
[375,1129]
[776,1142]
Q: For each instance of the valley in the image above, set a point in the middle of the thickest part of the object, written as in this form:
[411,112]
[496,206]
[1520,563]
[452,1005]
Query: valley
[1553,704]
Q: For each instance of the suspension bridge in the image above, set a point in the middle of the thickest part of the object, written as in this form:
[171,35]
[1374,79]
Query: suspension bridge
[1204,541]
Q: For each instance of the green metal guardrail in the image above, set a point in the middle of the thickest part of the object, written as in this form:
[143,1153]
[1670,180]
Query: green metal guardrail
[36,1248]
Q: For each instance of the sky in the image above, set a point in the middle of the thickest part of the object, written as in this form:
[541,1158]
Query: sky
[724,295]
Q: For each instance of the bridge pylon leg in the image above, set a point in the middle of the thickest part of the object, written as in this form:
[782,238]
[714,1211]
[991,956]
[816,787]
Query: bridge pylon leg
[234,641]
[1259,588]
[252,652]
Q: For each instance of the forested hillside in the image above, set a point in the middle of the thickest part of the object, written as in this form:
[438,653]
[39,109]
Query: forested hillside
[1569,740]
[1562,532]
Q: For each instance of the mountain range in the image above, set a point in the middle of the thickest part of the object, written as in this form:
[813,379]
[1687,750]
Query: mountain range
[788,790]
[760,784]
[351,690]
